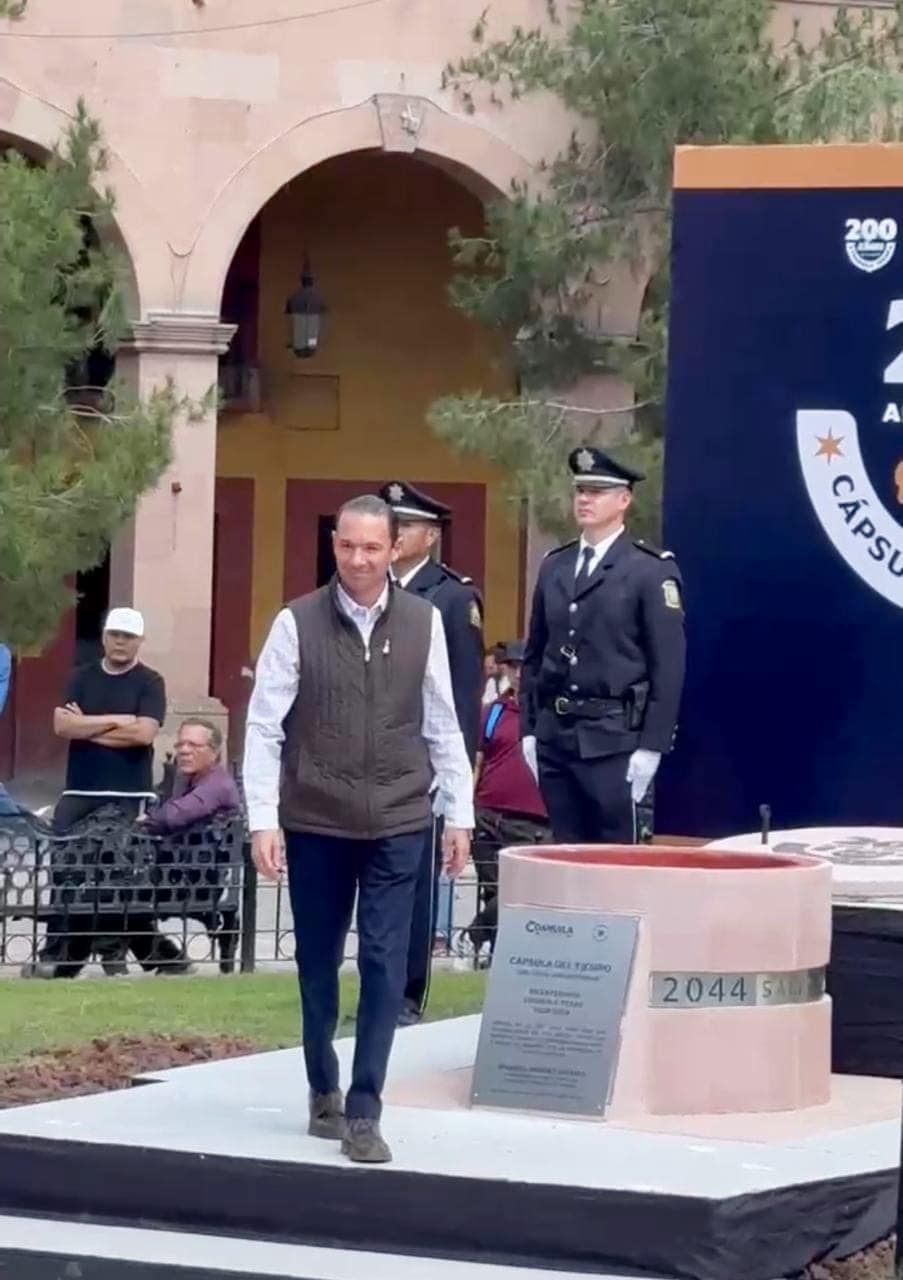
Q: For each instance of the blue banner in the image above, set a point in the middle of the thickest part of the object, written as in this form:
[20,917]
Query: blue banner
[784,507]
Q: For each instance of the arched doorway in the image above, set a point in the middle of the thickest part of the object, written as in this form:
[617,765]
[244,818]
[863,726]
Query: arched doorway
[298,436]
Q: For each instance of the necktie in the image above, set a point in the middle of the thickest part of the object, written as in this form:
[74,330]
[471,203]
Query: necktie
[583,572]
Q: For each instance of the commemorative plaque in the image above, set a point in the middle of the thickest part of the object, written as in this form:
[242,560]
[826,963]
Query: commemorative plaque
[551,1026]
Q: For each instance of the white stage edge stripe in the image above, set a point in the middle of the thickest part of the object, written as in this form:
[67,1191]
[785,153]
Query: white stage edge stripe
[172,1248]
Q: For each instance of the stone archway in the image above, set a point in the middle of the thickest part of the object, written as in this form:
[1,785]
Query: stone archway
[35,127]
[374,225]
[477,158]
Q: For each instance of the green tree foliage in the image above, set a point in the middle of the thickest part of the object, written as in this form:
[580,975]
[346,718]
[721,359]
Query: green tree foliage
[639,77]
[73,459]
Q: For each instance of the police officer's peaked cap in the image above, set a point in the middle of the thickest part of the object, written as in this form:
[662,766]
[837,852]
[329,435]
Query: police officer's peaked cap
[514,651]
[409,503]
[595,469]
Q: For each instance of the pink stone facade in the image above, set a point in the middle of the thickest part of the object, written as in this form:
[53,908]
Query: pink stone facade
[208,109]
[706,913]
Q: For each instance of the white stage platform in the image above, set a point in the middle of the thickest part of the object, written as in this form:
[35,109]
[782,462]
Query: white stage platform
[867,861]
[114,1253]
[220,1148]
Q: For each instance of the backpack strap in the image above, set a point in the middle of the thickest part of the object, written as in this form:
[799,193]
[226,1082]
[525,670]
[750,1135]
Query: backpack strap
[495,715]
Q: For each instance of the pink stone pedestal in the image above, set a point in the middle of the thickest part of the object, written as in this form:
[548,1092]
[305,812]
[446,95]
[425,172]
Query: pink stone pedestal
[701,912]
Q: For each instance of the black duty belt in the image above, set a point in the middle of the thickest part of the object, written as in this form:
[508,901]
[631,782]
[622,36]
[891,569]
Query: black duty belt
[589,708]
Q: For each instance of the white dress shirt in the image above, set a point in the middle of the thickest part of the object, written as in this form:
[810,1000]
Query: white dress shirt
[496,686]
[275,690]
[599,550]
[411,573]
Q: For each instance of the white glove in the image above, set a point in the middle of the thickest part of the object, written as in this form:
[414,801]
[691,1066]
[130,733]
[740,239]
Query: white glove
[641,769]
[528,750]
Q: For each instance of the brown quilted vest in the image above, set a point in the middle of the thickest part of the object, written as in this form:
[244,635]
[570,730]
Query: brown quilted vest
[355,763]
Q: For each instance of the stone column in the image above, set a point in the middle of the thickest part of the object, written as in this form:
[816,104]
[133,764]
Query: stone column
[163,562]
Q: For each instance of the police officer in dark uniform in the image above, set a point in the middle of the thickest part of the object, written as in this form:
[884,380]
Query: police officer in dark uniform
[420,519]
[604,666]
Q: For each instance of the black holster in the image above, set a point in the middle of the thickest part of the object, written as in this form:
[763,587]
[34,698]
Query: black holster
[635,700]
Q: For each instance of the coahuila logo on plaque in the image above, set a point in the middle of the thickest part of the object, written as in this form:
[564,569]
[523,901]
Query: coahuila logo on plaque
[551,1026]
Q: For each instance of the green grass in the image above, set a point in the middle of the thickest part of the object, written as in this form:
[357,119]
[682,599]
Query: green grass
[35,1016]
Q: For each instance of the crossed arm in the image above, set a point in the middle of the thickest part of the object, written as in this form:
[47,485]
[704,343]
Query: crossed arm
[115,731]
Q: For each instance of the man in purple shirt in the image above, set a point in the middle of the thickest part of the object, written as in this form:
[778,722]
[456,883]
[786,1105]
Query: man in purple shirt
[203,786]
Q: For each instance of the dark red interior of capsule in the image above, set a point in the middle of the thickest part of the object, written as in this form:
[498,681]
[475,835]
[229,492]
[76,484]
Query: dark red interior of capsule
[662,856]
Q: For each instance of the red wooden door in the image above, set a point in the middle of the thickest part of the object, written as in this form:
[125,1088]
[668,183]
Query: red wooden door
[233,568]
[311,504]
[27,724]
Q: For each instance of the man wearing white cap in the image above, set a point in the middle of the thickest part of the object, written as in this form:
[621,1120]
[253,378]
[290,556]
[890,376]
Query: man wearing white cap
[112,712]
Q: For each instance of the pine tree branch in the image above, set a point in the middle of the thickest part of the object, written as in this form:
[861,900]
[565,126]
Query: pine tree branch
[503,406]
[71,473]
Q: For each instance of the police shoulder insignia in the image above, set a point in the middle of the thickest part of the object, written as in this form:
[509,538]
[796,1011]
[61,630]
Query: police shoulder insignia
[458,577]
[671,592]
[564,546]
[476,618]
[650,550]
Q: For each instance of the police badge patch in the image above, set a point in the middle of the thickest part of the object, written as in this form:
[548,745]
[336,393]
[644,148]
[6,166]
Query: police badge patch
[671,592]
[476,619]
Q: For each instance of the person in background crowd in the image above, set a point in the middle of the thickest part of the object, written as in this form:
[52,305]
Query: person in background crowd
[420,521]
[509,807]
[203,787]
[604,664]
[8,807]
[6,674]
[112,713]
[493,670]
[351,718]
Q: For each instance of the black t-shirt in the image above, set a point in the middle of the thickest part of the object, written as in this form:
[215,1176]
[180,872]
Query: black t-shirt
[139,692]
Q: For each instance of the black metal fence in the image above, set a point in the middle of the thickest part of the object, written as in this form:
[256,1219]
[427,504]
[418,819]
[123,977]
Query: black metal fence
[111,893]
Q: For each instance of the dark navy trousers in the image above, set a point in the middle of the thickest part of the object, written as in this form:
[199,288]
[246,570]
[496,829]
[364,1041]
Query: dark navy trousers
[324,872]
[588,801]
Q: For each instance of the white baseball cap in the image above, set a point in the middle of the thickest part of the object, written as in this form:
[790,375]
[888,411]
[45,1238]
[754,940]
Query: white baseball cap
[128,621]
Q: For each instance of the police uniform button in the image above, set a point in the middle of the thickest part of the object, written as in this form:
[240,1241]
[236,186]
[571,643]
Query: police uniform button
[575,688]
[572,632]
[572,608]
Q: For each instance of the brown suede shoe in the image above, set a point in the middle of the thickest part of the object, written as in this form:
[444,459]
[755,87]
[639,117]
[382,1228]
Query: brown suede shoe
[327,1116]
[363,1143]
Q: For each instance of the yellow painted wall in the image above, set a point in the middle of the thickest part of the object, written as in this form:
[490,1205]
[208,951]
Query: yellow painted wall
[376,229]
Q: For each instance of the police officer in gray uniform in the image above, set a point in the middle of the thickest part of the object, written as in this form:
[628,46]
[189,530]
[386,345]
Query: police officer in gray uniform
[604,666]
